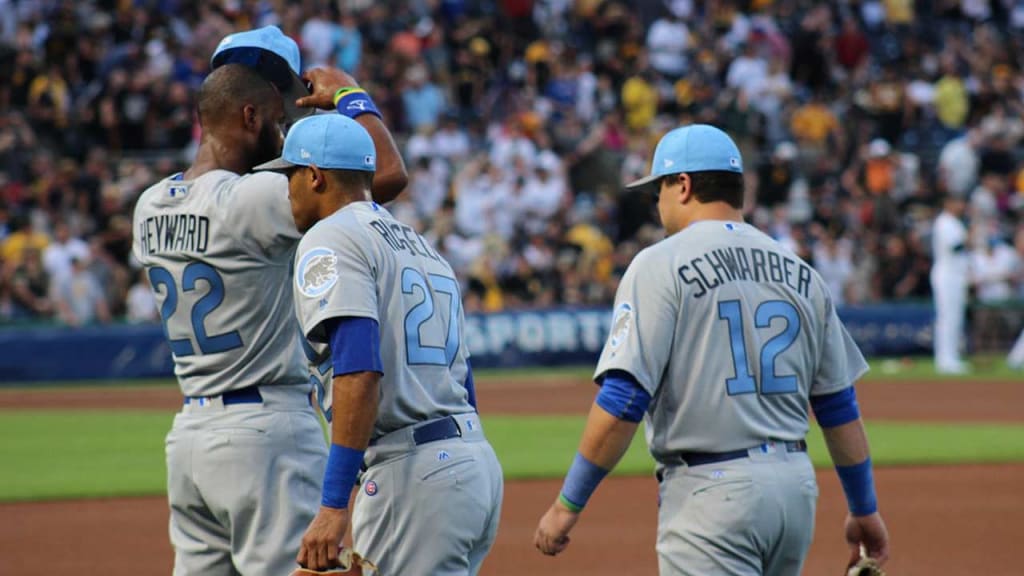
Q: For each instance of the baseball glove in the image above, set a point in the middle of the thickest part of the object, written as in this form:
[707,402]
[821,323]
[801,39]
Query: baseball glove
[350,563]
[865,567]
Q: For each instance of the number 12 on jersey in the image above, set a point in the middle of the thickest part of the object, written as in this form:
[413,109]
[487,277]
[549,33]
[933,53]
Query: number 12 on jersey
[771,382]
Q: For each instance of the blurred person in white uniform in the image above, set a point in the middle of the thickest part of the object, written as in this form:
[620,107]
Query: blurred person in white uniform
[949,278]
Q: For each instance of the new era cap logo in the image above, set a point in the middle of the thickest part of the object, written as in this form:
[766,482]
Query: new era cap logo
[669,162]
[368,160]
[305,153]
[734,162]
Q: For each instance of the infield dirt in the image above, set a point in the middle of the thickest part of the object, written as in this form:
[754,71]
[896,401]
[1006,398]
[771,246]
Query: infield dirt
[958,520]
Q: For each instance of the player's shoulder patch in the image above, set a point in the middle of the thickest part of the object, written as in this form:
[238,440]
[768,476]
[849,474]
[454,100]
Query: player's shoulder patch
[622,323]
[317,271]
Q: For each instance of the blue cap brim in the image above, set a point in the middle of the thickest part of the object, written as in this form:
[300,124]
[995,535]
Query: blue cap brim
[645,184]
[275,165]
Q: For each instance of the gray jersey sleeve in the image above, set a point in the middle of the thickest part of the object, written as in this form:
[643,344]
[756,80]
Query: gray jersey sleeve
[841,363]
[261,213]
[643,324]
[334,277]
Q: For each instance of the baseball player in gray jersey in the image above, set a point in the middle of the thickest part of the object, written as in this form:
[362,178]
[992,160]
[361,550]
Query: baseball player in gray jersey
[721,339]
[388,306]
[246,452]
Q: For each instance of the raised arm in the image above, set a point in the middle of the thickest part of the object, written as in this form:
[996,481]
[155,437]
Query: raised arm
[333,89]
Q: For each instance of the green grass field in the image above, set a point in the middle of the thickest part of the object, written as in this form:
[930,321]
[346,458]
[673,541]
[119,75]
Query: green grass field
[52,455]
[72,454]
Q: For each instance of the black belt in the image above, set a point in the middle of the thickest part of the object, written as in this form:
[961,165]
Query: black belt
[442,429]
[701,458]
[247,395]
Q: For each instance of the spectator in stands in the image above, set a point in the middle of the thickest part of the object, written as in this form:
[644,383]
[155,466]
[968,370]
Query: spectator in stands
[29,287]
[667,42]
[141,304]
[79,298]
[423,102]
[58,255]
[23,240]
[833,262]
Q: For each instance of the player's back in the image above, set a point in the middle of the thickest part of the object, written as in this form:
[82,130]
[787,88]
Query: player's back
[414,296]
[218,252]
[750,324]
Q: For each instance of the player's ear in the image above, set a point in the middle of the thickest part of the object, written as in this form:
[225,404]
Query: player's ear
[317,178]
[685,188]
[250,118]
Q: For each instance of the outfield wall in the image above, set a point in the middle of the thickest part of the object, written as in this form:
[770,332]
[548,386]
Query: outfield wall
[499,340]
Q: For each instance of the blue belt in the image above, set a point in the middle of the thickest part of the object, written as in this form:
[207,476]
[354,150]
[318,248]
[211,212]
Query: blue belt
[442,429]
[701,458]
[247,395]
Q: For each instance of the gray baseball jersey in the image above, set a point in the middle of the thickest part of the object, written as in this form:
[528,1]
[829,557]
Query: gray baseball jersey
[362,262]
[218,253]
[730,333]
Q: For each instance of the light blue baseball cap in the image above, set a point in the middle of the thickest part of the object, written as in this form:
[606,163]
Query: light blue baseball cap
[693,148]
[327,141]
[274,55]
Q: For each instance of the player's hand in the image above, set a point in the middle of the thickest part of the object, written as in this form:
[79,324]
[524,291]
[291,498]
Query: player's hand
[552,536]
[870,532]
[322,540]
[323,83]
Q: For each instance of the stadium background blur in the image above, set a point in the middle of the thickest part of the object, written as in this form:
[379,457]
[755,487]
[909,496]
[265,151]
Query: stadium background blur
[521,119]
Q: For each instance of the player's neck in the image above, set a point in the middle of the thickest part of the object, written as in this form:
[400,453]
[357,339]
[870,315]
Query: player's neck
[332,202]
[215,155]
[714,211]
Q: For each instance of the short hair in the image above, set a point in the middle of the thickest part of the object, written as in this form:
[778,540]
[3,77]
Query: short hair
[718,186]
[352,181]
[229,87]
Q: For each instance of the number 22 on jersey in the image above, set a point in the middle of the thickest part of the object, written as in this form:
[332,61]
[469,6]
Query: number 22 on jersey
[161,278]
[771,382]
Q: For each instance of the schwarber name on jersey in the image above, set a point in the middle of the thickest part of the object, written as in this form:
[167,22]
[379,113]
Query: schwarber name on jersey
[218,253]
[730,333]
[361,262]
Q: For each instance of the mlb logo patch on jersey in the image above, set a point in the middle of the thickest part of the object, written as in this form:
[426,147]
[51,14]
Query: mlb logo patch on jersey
[370,488]
[317,271]
[177,191]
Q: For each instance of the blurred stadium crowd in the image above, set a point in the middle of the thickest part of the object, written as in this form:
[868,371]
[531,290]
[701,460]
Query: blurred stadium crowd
[520,120]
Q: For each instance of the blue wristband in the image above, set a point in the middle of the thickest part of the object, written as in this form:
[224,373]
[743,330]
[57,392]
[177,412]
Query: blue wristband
[356,103]
[859,486]
[342,468]
[580,483]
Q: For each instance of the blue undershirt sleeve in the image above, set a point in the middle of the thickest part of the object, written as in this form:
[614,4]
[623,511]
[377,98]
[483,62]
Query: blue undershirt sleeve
[355,344]
[622,396]
[470,386]
[837,408]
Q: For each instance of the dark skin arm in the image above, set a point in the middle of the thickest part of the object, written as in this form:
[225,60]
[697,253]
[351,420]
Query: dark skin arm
[355,411]
[391,177]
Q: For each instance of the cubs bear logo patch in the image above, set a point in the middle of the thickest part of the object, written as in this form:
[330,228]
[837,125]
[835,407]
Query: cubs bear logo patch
[317,271]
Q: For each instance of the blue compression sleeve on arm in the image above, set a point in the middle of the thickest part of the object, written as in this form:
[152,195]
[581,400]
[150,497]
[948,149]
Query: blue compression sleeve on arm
[622,396]
[343,465]
[470,386]
[355,345]
[859,486]
[580,483]
[837,408]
